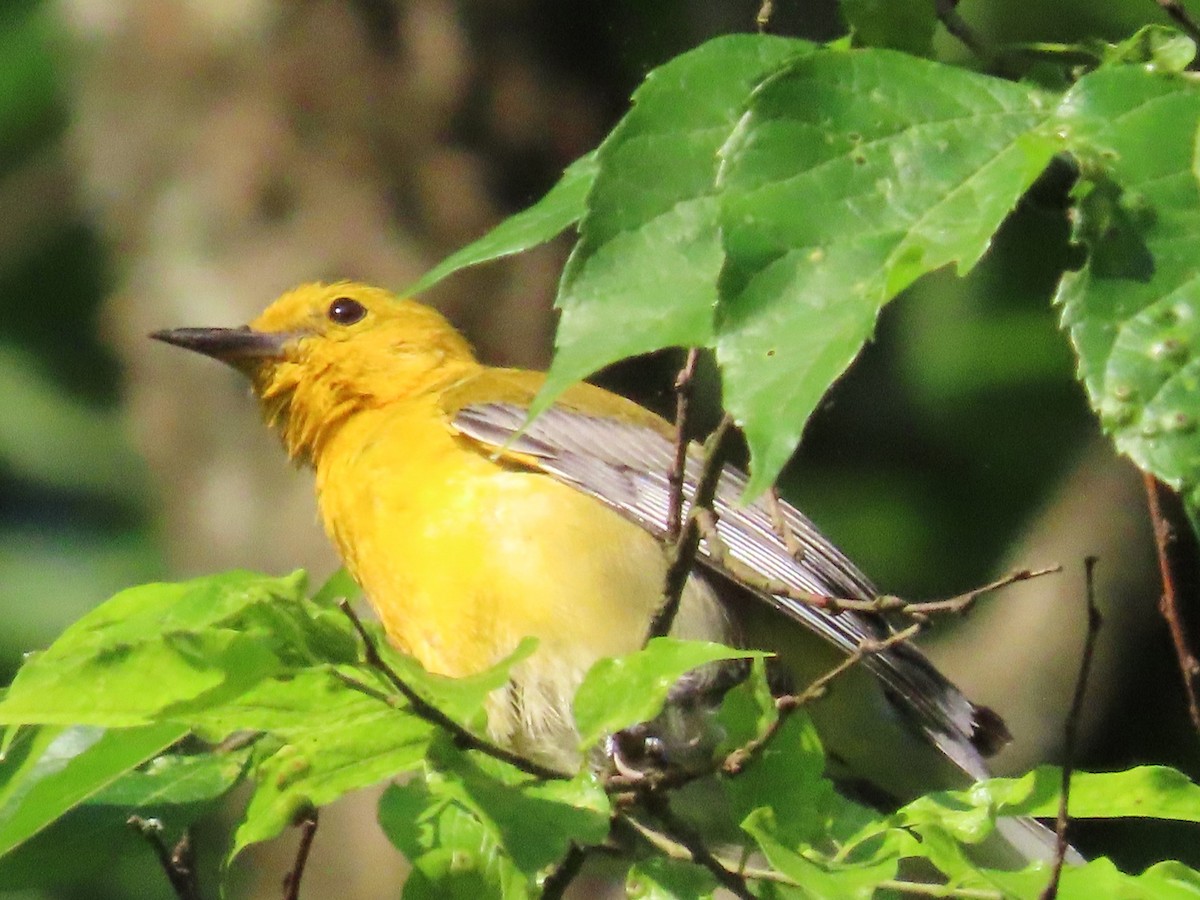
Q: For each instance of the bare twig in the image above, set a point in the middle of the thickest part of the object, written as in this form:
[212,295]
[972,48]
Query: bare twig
[675,478]
[178,863]
[947,13]
[682,553]
[885,603]
[736,762]
[779,524]
[430,713]
[762,20]
[564,872]
[1167,541]
[1180,16]
[674,850]
[308,830]
[1071,729]
[658,806]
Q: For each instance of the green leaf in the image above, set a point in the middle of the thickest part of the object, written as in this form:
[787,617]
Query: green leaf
[625,690]
[649,249]
[1157,792]
[535,822]
[659,878]
[554,213]
[908,25]
[1100,878]
[1133,311]
[852,174]
[164,650]
[816,880]
[175,779]
[453,853]
[332,740]
[55,770]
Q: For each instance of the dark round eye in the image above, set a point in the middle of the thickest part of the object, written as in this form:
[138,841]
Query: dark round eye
[345,311]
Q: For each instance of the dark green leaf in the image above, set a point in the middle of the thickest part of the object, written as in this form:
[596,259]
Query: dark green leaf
[625,690]
[175,778]
[649,250]
[1133,311]
[906,25]
[852,174]
[659,878]
[62,768]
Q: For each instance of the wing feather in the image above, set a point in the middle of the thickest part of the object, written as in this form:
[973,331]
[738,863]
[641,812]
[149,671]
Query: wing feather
[625,466]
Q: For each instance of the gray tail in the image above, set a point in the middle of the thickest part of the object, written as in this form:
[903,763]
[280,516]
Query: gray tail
[1028,840]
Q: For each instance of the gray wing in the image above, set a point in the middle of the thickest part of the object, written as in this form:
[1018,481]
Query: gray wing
[626,465]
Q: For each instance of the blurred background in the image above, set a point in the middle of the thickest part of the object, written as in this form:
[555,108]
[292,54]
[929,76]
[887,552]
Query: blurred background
[179,162]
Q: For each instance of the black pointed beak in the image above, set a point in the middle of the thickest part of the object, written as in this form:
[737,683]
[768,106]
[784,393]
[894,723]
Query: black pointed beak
[230,345]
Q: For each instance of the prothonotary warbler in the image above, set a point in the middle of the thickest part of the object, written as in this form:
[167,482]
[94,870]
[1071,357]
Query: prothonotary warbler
[468,534]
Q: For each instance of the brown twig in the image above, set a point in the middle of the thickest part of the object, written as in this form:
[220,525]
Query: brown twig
[736,762]
[430,713]
[779,524]
[658,806]
[1071,729]
[1180,16]
[672,849]
[682,553]
[178,863]
[947,13]
[885,603]
[1167,541]
[554,884]
[762,20]
[675,478]
[308,830]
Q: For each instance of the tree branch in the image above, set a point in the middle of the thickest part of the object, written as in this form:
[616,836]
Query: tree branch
[736,762]
[682,553]
[1180,16]
[178,863]
[675,479]
[1071,730]
[561,876]
[430,713]
[720,556]
[947,13]
[307,823]
[1167,541]
[658,806]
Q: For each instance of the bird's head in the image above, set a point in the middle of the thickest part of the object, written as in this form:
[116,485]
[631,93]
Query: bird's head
[322,351]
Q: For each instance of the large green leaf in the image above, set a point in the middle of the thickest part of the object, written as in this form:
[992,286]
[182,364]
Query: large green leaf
[49,771]
[625,690]
[649,249]
[160,650]
[1133,311]
[852,174]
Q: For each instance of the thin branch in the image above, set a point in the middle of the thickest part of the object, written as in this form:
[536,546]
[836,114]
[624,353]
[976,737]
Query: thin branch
[178,863]
[1166,539]
[947,13]
[720,556]
[779,524]
[682,553]
[308,830]
[1071,729]
[674,850]
[730,879]
[675,478]
[762,20]
[430,713]
[1180,16]
[564,872]
[736,762]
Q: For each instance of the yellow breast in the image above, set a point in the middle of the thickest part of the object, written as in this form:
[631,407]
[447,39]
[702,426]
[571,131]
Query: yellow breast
[462,558]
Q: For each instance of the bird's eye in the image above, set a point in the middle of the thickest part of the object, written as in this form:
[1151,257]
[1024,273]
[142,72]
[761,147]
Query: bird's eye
[345,311]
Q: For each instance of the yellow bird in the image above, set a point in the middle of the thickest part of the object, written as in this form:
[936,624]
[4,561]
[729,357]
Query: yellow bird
[466,539]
